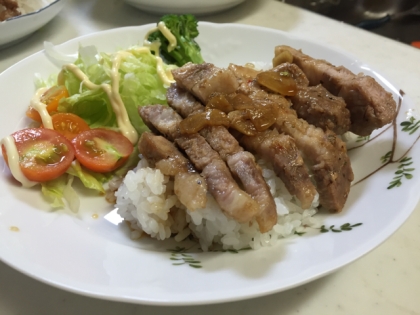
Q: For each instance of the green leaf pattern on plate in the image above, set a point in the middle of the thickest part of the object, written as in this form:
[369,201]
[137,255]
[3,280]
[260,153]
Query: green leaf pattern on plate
[341,228]
[411,125]
[405,167]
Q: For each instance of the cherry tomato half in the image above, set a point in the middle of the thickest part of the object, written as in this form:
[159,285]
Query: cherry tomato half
[44,154]
[102,150]
[51,98]
[69,125]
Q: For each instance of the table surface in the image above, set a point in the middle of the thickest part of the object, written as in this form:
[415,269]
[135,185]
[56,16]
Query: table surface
[385,281]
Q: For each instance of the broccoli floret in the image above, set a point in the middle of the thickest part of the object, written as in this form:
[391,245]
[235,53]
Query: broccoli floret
[184,28]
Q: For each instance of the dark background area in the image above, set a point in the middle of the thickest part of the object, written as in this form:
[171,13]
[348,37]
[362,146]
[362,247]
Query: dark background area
[404,28]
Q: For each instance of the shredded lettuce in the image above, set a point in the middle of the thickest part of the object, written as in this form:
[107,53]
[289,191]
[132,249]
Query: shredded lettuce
[40,82]
[60,190]
[89,179]
[132,162]
[53,191]
[139,85]
[93,106]
[71,196]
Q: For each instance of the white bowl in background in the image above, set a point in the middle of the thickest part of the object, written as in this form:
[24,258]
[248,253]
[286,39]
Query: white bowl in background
[197,7]
[17,28]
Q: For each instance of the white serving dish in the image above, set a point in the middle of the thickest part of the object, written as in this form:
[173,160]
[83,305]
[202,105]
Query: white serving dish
[17,28]
[197,7]
[91,253]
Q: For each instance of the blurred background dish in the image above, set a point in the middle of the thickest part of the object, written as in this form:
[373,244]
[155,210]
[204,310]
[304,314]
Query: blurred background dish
[197,7]
[395,19]
[16,28]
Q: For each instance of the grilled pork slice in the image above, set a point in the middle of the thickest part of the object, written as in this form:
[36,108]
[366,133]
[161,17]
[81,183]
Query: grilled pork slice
[323,151]
[204,79]
[231,199]
[218,136]
[287,162]
[242,73]
[190,187]
[322,109]
[314,104]
[370,106]
[241,164]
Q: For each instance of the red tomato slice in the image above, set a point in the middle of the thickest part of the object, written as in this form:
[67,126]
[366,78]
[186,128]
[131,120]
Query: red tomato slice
[44,154]
[69,125]
[102,150]
[51,98]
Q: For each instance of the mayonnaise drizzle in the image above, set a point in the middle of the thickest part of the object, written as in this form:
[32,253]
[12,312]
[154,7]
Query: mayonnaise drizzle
[112,91]
[168,35]
[13,162]
[41,108]
[165,76]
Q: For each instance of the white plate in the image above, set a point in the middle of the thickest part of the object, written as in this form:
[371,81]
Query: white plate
[17,28]
[197,7]
[95,257]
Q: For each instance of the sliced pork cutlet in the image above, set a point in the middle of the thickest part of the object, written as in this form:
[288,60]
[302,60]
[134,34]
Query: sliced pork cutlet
[370,106]
[247,81]
[202,80]
[189,186]
[241,163]
[322,109]
[232,200]
[313,103]
[324,153]
[288,164]
[279,149]
[243,74]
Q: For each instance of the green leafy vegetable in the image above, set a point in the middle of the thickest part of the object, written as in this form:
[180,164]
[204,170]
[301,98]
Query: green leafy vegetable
[53,191]
[184,28]
[89,179]
[71,195]
[60,189]
[139,84]
[132,161]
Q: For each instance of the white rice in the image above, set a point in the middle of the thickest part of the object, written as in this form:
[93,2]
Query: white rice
[147,201]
